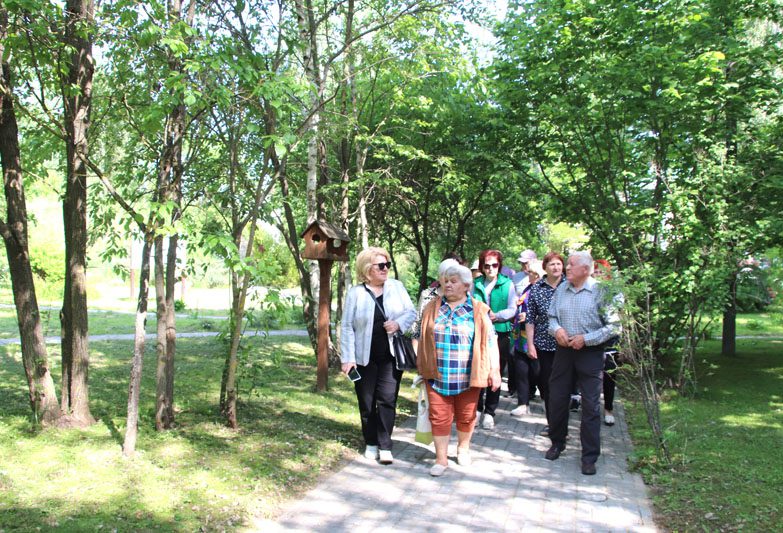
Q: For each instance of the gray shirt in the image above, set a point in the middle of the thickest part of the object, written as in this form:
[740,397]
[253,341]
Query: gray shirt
[586,311]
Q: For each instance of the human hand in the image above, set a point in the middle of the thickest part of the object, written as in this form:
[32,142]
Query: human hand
[577,342]
[494,379]
[492,316]
[391,326]
[531,351]
[561,337]
[347,367]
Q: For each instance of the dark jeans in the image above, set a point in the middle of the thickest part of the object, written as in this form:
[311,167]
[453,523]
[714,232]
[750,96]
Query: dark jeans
[526,374]
[493,397]
[377,394]
[545,360]
[589,365]
[610,365]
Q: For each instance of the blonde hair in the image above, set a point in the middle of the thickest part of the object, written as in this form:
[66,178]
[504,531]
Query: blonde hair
[364,261]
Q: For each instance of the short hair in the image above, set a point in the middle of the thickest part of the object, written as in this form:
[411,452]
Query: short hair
[364,261]
[445,264]
[487,253]
[550,256]
[604,263]
[462,272]
[583,259]
[535,266]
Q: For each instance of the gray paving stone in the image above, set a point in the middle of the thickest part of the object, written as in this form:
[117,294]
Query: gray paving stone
[509,486]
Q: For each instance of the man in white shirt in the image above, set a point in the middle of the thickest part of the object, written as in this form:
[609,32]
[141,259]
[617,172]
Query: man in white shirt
[521,279]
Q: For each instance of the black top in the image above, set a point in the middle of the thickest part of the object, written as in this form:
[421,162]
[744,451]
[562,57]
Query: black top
[380,339]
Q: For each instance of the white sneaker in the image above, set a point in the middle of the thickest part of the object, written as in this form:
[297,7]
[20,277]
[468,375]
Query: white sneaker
[609,420]
[385,457]
[488,422]
[437,470]
[520,410]
[464,458]
[478,417]
[371,452]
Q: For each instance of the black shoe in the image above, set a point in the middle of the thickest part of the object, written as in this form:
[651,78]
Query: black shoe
[588,469]
[554,452]
[575,403]
[545,431]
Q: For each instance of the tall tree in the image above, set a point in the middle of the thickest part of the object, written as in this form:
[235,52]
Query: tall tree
[42,394]
[76,88]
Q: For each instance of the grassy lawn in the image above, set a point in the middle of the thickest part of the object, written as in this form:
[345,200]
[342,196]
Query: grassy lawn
[727,444]
[199,475]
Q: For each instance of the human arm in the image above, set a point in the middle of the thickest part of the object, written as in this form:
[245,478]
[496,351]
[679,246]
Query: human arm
[609,313]
[347,333]
[504,315]
[531,347]
[404,318]
[494,354]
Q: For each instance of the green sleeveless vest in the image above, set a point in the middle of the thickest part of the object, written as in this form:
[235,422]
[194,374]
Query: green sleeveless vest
[498,299]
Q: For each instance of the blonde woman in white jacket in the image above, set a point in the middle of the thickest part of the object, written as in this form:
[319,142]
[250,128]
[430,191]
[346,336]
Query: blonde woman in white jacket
[366,344]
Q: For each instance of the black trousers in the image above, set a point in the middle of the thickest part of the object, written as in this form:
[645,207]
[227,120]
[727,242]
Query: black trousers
[377,394]
[545,360]
[610,365]
[588,363]
[526,375]
[489,400]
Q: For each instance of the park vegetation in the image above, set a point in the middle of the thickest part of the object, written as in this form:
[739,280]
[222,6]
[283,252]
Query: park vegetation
[656,129]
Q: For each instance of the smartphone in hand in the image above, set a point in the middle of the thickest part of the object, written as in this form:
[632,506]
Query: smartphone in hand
[354,375]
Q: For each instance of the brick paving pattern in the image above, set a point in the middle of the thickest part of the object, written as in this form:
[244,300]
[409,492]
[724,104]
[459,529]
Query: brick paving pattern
[509,486]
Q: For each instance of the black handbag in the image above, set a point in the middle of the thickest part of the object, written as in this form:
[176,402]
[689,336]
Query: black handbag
[403,352]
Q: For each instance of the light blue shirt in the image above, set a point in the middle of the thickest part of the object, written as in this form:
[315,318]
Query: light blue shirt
[584,311]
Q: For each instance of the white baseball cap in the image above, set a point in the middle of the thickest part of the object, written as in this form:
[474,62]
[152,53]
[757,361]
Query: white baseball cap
[527,256]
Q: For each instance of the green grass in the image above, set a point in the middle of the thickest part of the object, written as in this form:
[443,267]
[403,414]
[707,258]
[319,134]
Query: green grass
[769,323]
[727,444]
[198,475]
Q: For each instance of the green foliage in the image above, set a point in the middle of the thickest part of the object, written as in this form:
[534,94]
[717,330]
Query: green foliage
[719,476]
[753,290]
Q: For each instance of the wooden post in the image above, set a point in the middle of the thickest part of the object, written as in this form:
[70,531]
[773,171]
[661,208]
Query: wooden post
[324,304]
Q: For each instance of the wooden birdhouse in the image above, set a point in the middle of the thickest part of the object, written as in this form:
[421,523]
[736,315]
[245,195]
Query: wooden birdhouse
[325,241]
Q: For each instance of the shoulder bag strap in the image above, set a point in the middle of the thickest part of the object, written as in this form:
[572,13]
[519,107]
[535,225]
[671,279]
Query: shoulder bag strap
[375,300]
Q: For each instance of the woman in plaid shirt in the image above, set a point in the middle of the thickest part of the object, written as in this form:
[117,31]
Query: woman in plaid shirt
[458,356]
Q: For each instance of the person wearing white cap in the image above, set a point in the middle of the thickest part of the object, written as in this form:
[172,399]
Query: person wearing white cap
[521,279]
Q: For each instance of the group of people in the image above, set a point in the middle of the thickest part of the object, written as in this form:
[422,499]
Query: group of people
[550,326]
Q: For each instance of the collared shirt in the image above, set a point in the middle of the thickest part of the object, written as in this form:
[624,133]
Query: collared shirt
[537,307]
[585,311]
[454,331]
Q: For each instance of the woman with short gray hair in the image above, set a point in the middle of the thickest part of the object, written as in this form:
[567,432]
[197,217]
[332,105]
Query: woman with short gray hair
[458,356]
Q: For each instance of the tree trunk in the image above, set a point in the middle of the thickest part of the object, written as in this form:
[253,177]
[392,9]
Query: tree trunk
[42,395]
[729,340]
[78,104]
[134,387]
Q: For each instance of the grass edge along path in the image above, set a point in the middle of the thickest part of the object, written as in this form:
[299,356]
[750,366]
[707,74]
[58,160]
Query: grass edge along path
[726,444]
[198,475]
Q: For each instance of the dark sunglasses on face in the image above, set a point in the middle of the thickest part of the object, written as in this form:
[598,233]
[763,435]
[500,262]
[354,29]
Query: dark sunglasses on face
[383,266]
[491,265]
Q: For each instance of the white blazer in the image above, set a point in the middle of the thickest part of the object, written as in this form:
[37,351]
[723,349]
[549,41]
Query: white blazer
[356,327]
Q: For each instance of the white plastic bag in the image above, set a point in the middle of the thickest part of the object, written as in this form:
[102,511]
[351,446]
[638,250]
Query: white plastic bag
[423,425]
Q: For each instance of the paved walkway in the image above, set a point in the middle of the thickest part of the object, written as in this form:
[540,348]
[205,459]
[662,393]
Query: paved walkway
[509,486]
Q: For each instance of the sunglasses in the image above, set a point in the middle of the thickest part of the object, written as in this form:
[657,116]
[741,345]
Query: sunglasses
[491,265]
[383,266]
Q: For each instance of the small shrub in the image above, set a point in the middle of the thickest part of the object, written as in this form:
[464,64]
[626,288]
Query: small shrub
[754,325]
[179,305]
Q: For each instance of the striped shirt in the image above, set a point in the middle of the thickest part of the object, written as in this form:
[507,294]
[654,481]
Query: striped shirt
[454,331]
[584,311]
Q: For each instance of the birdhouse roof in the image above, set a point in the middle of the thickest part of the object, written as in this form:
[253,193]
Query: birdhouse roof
[331,231]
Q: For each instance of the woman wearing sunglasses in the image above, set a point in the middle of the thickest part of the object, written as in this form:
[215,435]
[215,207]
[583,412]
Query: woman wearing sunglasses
[497,291]
[375,309]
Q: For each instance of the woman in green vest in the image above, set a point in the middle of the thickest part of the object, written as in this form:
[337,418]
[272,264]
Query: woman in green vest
[496,290]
